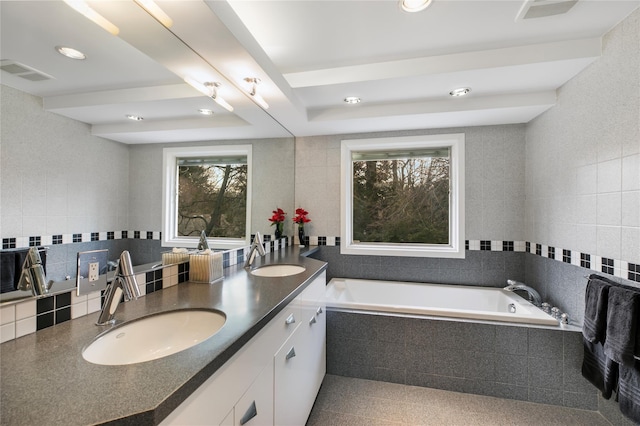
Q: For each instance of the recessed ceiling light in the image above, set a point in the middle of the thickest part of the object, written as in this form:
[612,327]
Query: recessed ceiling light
[70,52]
[134,117]
[461,91]
[352,100]
[205,111]
[414,5]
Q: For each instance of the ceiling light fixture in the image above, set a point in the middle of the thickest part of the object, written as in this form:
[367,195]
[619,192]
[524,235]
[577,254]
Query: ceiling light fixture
[134,117]
[71,53]
[254,91]
[210,90]
[155,11]
[352,100]
[205,111]
[461,91]
[414,5]
[83,8]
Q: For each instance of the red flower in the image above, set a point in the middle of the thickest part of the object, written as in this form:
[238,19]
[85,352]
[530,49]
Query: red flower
[301,216]
[278,216]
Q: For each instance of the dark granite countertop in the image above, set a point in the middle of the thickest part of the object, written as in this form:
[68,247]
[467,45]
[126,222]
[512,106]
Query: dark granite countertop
[45,380]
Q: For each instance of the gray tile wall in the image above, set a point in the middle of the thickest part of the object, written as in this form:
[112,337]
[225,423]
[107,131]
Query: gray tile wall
[494,179]
[529,364]
[485,268]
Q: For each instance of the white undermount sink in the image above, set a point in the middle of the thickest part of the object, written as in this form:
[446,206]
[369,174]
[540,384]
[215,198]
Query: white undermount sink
[153,337]
[277,270]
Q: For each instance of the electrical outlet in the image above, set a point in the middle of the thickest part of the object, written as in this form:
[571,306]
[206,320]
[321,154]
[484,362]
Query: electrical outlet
[94,271]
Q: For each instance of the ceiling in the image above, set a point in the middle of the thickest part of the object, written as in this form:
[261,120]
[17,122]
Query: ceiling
[309,55]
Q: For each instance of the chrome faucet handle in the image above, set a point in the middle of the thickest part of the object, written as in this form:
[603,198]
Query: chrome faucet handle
[32,276]
[203,244]
[256,245]
[124,281]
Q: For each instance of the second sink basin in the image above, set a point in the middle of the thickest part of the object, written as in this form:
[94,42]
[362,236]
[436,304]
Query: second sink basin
[153,337]
[277,270]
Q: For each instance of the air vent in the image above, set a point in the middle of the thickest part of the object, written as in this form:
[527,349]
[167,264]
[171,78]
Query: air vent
[23,71]
[532,9]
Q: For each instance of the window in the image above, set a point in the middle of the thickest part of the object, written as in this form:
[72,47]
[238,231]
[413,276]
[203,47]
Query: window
[403,196]
[207,188]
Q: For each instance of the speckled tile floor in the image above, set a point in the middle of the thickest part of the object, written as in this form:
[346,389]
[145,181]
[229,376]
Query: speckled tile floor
[344,401]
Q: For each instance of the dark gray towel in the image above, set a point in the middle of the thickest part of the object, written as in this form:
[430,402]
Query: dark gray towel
[595,309]
[623,315]
[601,371]
[7,271]
[629,391]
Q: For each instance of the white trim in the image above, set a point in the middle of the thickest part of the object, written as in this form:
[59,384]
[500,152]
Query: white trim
[169,194]
[456,247]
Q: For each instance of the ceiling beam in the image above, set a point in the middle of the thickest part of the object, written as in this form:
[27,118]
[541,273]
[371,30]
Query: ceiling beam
[495,58]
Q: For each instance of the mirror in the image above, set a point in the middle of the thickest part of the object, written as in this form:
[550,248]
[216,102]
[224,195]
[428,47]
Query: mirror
[113,187]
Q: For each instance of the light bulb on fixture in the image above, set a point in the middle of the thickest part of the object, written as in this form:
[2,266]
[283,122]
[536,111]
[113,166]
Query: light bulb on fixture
[83,8]
[209,89]
[414,5]
[254,92]
[213,87]
[352,100]
[71,53]
[154,10]
[461,91]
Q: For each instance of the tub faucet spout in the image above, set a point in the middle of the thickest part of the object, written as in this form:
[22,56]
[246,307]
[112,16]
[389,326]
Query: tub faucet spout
[534,296]
[257,245]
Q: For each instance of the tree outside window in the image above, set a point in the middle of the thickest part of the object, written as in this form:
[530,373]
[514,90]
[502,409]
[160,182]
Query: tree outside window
[402,200]
[403,196]
[212,197]
[207,188]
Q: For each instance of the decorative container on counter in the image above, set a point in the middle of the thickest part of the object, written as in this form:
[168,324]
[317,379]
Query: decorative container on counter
[205,267]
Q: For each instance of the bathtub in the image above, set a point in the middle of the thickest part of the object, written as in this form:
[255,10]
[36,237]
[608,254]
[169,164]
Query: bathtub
[440,300]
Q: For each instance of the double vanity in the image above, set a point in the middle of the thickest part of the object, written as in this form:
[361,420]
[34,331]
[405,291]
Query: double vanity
[262,364]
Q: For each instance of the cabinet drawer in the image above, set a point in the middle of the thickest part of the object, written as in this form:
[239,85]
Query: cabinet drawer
[255,408]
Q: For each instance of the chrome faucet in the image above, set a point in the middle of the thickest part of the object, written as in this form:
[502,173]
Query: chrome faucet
[203,244]
[32,276]
[123,282]
[257,245]
[534,296]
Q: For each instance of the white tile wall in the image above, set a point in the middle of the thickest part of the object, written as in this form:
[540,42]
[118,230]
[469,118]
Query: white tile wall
[593,132]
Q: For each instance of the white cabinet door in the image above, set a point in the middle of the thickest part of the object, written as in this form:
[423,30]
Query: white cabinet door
[228,420]
[292,380]
[255,408]
[300,364]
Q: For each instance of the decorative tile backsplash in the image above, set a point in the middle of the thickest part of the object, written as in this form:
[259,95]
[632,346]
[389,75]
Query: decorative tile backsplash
[616,267]
[20,319]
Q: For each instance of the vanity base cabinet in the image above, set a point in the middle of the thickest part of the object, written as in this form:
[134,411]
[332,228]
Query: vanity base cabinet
[282,394]
[300,364]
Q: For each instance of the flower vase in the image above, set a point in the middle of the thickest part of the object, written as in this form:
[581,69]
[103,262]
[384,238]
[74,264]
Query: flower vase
[301,235]
[278,230]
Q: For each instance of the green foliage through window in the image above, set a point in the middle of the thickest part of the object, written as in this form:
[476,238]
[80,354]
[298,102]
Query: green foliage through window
[401,197]
[212,195]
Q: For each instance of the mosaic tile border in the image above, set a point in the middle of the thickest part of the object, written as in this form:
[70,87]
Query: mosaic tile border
[616,267]
[47,240]
[32,315]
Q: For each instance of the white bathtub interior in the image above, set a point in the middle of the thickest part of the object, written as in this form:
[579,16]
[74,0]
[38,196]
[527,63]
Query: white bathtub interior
[457,301]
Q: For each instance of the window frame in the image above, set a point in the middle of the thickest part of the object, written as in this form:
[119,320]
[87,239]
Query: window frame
[170,194]
[456,247]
